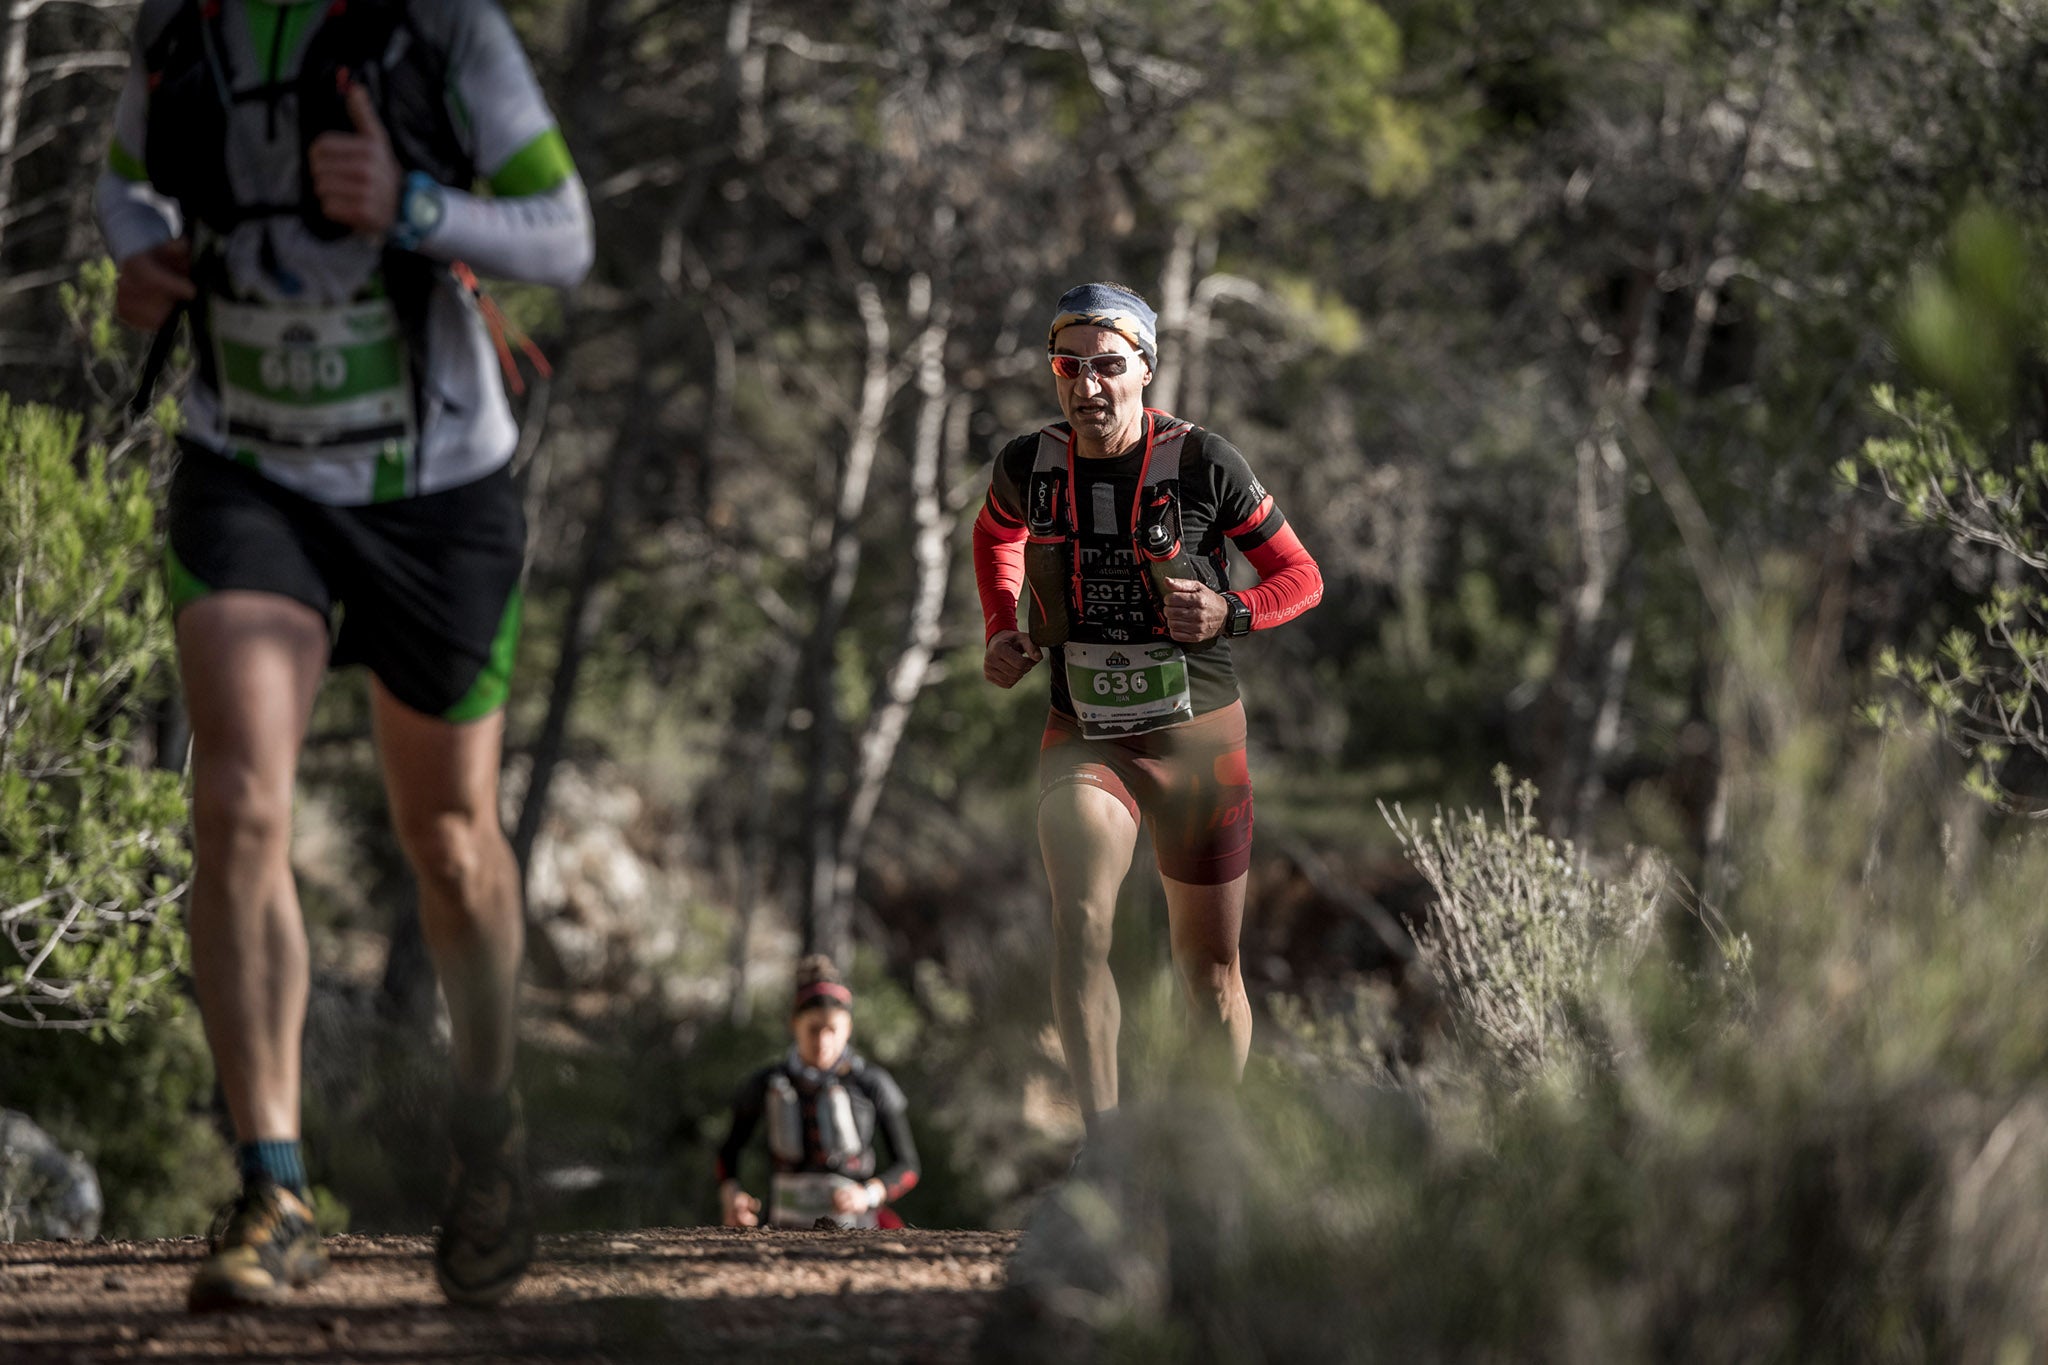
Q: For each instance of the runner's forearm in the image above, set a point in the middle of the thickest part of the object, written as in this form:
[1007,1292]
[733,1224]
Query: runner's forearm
[132,217]
[902,1175]
[542,238]
[745,1117]
[998,571]
[1289,580]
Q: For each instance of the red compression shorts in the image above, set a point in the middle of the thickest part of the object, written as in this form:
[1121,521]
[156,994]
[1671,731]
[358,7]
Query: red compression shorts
[1188,783]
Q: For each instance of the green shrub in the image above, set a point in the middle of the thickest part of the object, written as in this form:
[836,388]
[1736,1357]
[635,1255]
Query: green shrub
[138,1107]
[92,850]
[1523,926]
[1837,1153]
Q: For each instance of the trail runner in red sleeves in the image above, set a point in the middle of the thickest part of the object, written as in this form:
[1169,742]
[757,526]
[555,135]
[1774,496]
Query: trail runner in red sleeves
[1112,524]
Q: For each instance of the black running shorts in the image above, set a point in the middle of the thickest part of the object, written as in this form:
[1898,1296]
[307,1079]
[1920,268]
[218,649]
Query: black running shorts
[427,588]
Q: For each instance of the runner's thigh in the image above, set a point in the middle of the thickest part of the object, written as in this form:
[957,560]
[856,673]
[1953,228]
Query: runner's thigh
[1196,791]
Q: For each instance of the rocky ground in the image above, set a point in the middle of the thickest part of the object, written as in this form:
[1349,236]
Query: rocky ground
[666,1294]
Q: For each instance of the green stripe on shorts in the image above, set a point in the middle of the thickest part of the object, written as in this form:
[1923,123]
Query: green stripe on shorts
[184,586]
[494,684]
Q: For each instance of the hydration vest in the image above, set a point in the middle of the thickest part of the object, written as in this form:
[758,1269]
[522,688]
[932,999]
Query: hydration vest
[192,89]
[839,1140]
[1047,501]
[195,91]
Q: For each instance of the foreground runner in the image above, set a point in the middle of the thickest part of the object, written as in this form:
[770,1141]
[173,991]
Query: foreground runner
[1114,521]
[345,446]
[824,1104]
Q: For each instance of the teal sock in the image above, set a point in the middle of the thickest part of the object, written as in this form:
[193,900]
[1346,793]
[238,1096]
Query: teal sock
[278,1159]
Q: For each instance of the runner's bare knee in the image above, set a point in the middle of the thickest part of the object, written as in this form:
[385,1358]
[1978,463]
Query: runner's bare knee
[240,817]
[450,854]
[1082,931]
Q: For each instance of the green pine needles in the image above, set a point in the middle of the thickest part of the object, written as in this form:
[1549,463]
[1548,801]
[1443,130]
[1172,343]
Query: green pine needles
[92,846]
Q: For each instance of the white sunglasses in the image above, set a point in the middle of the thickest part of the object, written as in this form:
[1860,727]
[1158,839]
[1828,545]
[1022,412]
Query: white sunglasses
[1102,366]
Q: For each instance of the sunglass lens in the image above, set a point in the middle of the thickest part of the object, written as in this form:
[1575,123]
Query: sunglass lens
[1074,366]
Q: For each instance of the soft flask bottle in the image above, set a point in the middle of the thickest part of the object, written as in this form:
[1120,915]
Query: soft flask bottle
[1048,562]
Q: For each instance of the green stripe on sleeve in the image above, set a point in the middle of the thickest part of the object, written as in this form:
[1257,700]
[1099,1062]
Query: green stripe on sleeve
[125,163]
[536,168]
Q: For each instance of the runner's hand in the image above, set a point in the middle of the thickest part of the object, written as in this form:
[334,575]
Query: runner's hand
[742,1210]
[1010,656]
[356,175]
[152,283]
[1194,612]
[858,1198]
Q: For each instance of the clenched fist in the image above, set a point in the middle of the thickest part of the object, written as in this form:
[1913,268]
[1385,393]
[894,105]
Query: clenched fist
[356,176]
[1010,655]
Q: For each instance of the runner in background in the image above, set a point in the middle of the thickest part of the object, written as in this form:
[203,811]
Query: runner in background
[824,1106]
[1113,522]
[300,179]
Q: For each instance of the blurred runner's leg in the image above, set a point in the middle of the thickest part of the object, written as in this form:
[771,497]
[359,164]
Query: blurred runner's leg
[251,664]
[441,779]
[1205,922]
[1087,836]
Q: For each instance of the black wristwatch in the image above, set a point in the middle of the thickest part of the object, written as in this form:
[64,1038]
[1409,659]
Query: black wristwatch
[1239,622]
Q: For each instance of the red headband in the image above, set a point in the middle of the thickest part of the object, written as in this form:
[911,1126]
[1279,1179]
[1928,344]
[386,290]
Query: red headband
[826,990]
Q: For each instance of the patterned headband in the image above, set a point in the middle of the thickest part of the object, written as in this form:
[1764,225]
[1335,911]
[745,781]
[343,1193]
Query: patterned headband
[1113,308]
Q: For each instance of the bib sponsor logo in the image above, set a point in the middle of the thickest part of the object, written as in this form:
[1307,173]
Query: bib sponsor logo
[1108,557]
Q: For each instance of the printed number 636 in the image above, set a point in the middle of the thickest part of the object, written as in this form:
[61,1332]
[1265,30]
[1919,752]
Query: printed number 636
[1122,684]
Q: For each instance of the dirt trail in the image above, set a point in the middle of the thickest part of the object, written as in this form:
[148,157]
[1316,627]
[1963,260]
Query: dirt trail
[660,1294]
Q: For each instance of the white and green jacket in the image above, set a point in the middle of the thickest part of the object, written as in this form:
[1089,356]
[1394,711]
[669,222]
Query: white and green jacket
[301,347]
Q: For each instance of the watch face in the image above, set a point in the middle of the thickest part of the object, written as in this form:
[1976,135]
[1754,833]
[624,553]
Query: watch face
[422,208]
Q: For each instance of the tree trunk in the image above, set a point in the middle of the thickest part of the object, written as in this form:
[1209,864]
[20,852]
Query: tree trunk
[13,94]
[826,928]
[1597,642]
[1569,712]
[930,552]
[1176,297]
[754,823]
[601,537]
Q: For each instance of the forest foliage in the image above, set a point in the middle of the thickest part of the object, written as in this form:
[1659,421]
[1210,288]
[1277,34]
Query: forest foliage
[1658,386]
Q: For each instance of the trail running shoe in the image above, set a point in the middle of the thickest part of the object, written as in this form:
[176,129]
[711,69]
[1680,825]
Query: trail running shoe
[261,1246]
[487,1233]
